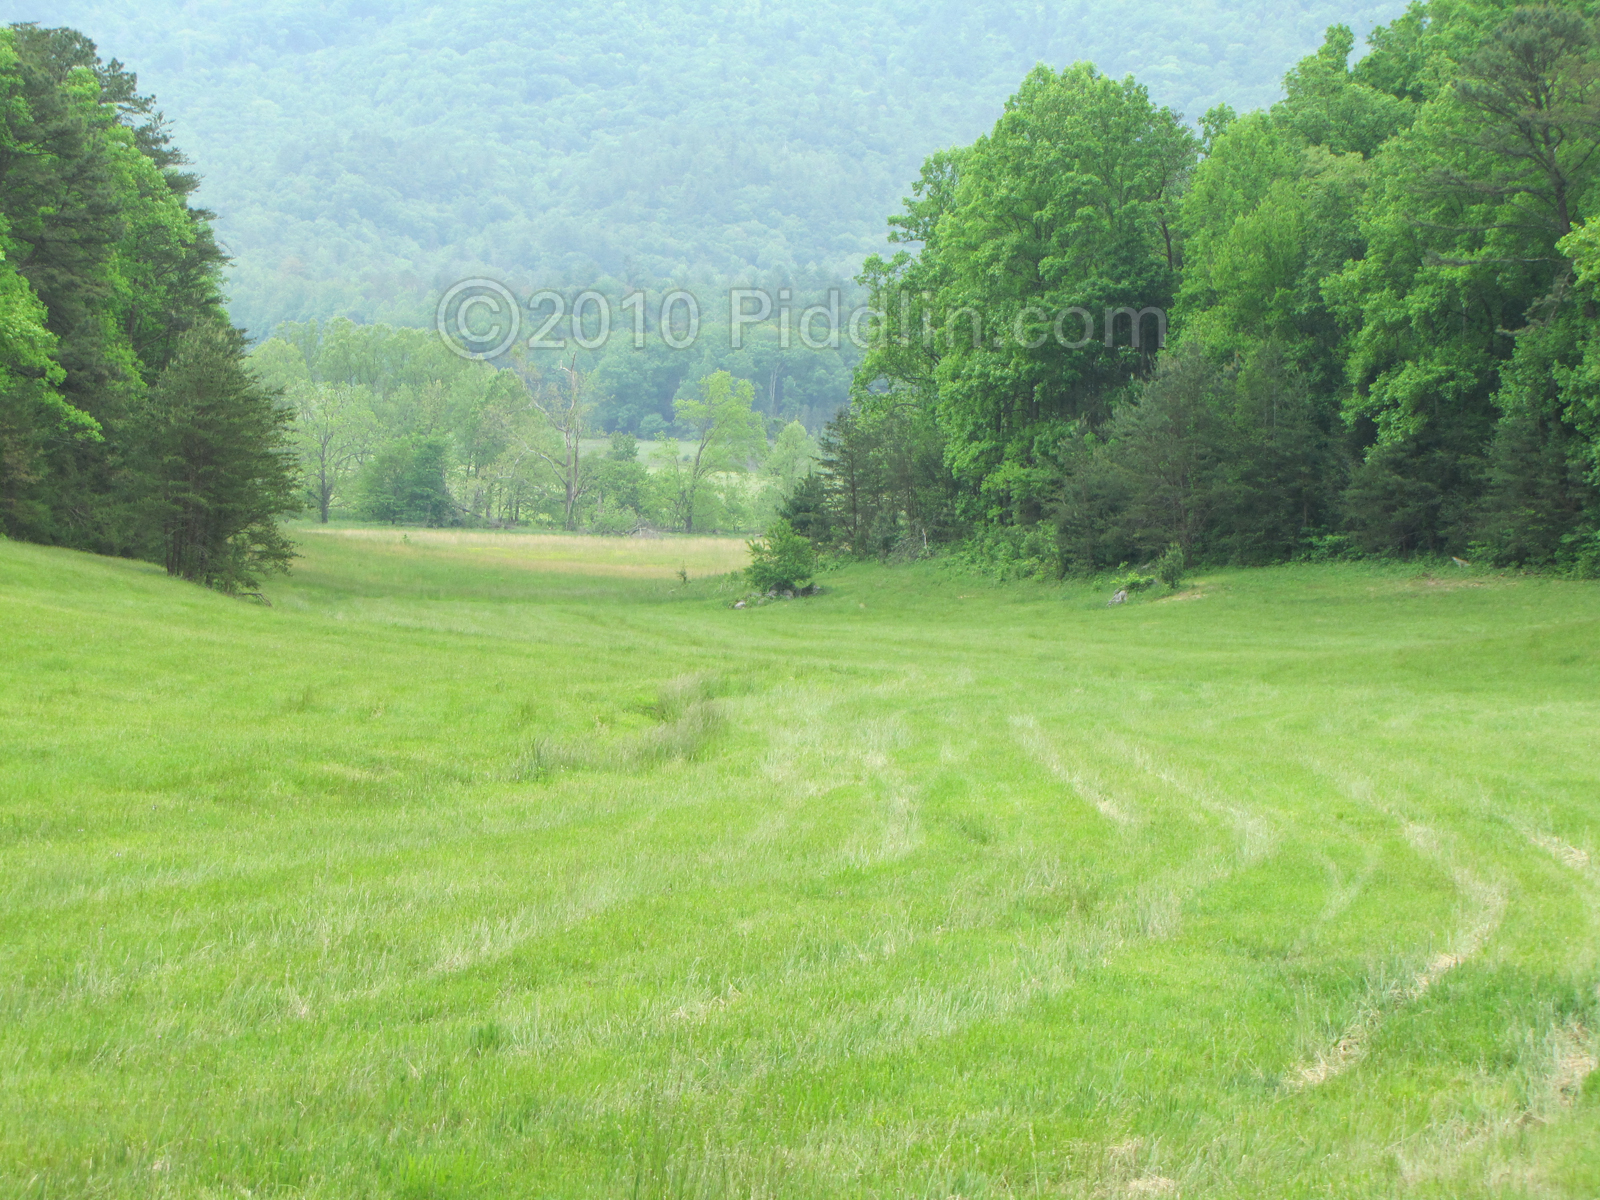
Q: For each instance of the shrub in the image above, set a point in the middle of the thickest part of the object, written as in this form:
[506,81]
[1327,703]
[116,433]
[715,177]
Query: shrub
[1584,549]
[1326,547]
[1169,567]
[1131,581]
[1011,552]
[781,561]
[617,521]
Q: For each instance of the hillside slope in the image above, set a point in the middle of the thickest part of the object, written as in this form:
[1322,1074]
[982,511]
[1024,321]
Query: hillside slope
[364,156]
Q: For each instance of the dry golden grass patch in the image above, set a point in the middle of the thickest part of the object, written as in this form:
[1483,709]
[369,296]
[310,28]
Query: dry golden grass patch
[567,553]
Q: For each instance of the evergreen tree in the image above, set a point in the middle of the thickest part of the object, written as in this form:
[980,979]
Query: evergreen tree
[215,465]
[107,261]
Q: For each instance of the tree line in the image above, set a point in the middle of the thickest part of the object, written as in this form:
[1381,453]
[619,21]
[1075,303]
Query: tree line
[130,423]
[135,420]
[1382,302]
[390,424]
[1379,298]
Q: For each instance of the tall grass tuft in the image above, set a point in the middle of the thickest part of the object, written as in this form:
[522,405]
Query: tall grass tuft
[688,717]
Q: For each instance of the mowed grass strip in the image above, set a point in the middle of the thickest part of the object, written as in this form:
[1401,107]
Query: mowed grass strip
[448,877]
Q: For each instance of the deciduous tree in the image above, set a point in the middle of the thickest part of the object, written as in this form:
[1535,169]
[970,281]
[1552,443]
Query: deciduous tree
[725,436]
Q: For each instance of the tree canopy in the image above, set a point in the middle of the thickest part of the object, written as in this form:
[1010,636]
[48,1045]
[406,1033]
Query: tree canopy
[129,423]
[1381,301]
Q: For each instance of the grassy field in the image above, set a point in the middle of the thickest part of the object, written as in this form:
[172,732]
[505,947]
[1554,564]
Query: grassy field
[475,551]
[470,870]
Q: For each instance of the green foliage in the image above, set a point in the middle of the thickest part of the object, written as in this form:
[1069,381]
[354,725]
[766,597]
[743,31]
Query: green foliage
[335,429]
[1583,554]
[622,491]
[217,465]
[1169,568]
[127,421]
[360,389]
[518,441]
[32,410]
[724,436]
[793,455]
[806,509]
[887,491]
[404,483]
[1460,304]
[1382,298]
[1069,202]
[1132,580]
[1381,291]
[1005,552]
[781,560]
[1331,107]
[1228,461]
[1326,547]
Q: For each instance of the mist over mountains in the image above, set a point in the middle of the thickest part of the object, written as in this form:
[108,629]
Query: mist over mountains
[363,156]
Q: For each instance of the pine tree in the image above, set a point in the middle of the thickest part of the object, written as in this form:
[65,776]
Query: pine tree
[215,467]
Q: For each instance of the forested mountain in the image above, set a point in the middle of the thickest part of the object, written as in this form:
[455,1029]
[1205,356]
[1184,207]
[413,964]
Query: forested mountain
[363,156]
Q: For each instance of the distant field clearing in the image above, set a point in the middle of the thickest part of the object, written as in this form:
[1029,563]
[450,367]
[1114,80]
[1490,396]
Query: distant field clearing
[569,553]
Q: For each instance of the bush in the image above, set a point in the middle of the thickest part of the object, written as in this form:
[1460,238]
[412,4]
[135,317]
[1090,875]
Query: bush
[1131,581]
[615,521]
[781,561]
[1326,547]
[1011,552]
[1169,567]
[1584,551]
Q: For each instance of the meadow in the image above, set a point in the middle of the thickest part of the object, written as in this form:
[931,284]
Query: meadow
[482,865]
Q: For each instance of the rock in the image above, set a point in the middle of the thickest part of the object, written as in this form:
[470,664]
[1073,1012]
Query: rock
[740,604]
[1119,598]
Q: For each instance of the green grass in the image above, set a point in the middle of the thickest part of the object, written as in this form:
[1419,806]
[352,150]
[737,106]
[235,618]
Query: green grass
[451,876]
